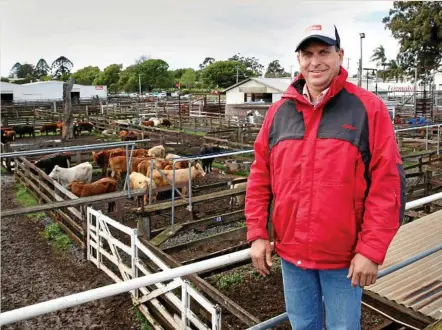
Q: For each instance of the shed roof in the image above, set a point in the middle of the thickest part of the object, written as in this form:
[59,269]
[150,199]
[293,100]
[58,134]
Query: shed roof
[279,84]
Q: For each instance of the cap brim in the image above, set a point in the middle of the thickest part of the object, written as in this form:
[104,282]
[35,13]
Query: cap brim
[328,41]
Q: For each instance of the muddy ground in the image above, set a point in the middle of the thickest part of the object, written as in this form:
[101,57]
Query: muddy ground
[32,271]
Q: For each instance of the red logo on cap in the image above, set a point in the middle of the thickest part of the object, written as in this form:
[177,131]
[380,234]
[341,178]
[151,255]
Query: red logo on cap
[314,27]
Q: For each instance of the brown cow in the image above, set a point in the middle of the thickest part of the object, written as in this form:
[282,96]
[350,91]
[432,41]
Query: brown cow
[101,158]
[119,165]
[148,123]
[102,186]
[49,128]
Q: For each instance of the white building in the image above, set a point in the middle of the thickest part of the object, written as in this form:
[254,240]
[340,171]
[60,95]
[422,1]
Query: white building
[265,90]
[49,90]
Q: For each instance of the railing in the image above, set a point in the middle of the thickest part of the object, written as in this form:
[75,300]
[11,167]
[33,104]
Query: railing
[30,311]
[426,127]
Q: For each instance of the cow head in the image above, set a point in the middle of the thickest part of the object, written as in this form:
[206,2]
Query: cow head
[55,173]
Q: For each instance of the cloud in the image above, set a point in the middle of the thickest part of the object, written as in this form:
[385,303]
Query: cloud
[182,33]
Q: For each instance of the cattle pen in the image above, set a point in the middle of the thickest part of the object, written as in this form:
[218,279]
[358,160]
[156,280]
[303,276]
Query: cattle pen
[206,229]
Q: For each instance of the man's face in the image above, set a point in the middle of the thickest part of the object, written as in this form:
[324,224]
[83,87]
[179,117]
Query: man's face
[319,64]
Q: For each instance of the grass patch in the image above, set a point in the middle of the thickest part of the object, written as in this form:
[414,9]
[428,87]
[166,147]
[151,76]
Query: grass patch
[56,237]
[225,281]
[4,170]
[23,196]
[145,325]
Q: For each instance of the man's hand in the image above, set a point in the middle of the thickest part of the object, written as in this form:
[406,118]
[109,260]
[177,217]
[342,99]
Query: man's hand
[362,271]
[261,253]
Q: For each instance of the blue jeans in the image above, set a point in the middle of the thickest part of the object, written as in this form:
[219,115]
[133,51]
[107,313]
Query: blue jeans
[306,290]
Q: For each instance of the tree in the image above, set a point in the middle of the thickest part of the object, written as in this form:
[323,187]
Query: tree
[4,79]
[26,71]
[252,65]
[128,80]
[394,71]
[142,58]
[15,69]
[188,78]
[42,68]
[381,60]
[109,77]
[418,28]
[154,74]
[379,56]
[222,74]
[68,127]
[86,75]
[275,70]
[207,61]
[60,67]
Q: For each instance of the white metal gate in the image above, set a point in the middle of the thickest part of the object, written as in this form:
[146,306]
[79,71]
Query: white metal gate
[120,261]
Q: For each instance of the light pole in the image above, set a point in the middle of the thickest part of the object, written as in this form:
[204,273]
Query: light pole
[362,36]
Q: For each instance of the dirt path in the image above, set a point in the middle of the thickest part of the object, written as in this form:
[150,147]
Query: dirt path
[32,271]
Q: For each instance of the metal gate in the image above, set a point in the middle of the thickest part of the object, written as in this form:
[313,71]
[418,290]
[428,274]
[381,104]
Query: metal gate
[116,249]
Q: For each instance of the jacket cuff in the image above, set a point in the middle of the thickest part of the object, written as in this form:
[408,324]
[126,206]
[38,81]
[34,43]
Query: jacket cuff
[256,233]
[369,252]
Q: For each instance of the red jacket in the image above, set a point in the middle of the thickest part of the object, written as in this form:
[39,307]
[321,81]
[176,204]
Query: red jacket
[334,174]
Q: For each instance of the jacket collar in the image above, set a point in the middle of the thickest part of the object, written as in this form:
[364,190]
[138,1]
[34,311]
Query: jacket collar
[294,91]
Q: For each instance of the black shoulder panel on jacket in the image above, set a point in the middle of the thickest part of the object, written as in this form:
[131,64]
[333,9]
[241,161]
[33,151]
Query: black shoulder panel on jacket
[288,123]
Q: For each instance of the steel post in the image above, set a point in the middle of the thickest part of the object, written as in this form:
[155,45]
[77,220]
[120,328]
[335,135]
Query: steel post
[150,179]
[190,187]
[426,139]
[173,193]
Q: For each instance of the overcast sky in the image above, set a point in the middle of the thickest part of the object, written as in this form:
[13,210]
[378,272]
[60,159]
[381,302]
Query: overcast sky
[183,33]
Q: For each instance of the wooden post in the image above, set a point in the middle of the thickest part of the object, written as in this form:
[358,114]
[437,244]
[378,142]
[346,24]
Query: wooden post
[68,128]
[144,227]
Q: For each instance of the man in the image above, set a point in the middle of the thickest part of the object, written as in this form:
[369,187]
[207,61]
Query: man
[327,156]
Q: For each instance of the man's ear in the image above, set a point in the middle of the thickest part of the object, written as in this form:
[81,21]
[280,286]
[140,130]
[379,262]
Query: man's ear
[341,56]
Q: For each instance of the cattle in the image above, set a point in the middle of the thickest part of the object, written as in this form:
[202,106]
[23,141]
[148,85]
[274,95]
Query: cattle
[82,126]
[119,165]
[240,199]
[48,162]
[207,150]
[49,128]
[22,130]
[147,123]
[128,136]
[7,134]
[82,172]
[140,181]
[102,186]
[60,126]
[165,122]
[101,158]
[162,164]
[181,176]
[156,121]
[172,156]
[157,152]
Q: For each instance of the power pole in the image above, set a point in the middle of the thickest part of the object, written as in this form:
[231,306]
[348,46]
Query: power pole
[237,73]
[348,63]
[291,71]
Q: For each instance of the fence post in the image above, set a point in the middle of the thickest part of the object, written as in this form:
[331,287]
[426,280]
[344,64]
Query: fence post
[134,257]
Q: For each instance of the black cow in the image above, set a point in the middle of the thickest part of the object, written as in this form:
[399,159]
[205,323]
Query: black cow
[25,129]
[82,126]
[48,163]
[207,150]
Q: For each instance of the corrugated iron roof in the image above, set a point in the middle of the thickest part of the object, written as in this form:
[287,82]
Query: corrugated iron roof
[419,285]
